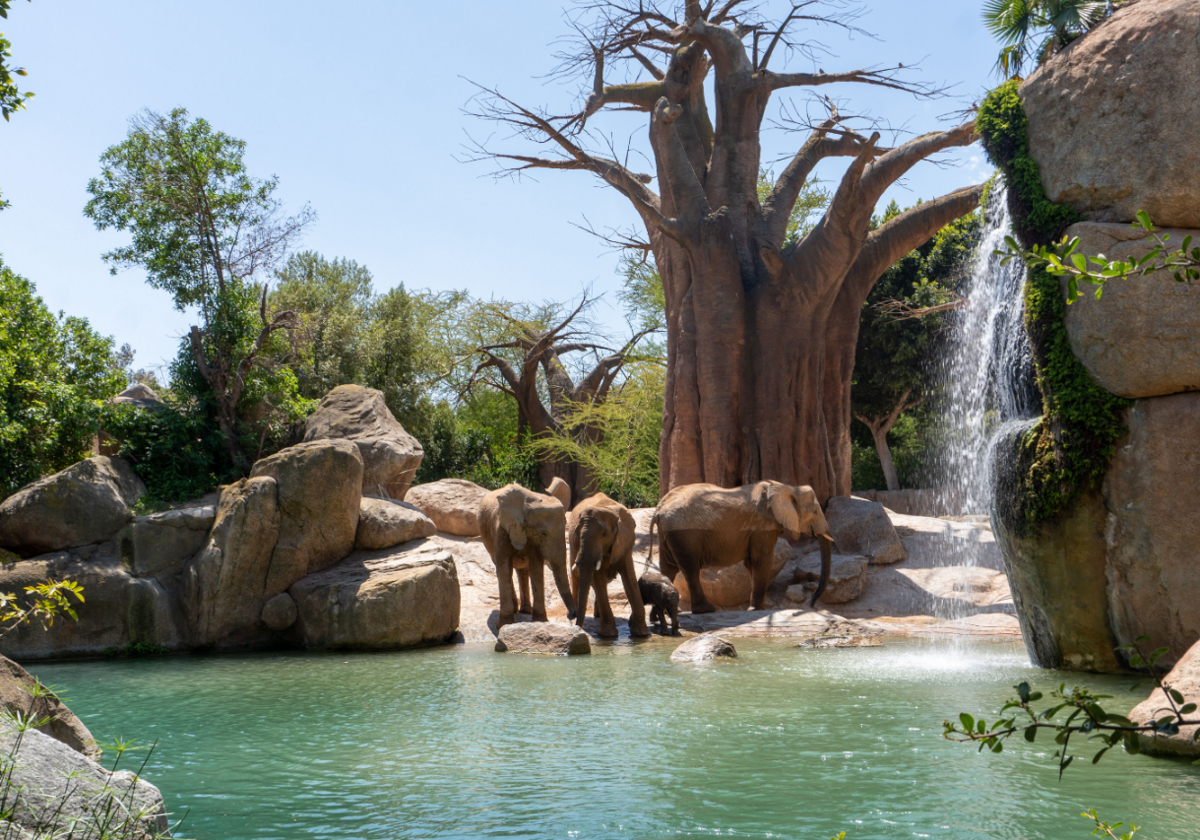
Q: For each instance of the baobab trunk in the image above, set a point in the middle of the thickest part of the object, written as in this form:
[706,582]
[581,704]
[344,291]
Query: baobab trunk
[759,346]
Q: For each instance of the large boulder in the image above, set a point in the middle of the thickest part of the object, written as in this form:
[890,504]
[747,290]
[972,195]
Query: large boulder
[1152,529]
[383,523]
[380,600]
[160,544]
[55,791]
[1112,119]
[847,576]
[227,582]
[862,527]
[452,504]
[1142,338]
[21,694]
[119,609]
[320,492]
[547,637]
[390,455]
[1184,678]
[86,503]
[704,647]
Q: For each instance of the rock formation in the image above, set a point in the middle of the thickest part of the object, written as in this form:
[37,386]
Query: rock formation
[452,504]
[862,527]
[390,455]
[21,694]
[383,523]
[1184,678]
[546,637]
[704,647]
[1105,122]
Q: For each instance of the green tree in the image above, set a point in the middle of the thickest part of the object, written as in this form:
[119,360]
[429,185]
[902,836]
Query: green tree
[203,230]
[898,334]
[11,98]
[1034,30]
[55,373]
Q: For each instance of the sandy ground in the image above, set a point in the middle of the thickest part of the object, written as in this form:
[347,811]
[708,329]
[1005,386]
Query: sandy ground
[953,582]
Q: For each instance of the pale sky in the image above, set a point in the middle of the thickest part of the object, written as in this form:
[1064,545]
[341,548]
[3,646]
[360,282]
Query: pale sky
[358,108]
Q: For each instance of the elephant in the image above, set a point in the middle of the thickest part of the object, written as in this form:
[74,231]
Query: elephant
[662,594]
[525,531]
[601,533]
[702,525]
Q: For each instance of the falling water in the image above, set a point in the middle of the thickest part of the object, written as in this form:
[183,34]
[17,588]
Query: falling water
[986,371]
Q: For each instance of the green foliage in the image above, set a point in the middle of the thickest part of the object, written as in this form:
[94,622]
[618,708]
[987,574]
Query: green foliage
[1033,30]
[43,603]
[55,373]
[806,212]
[11,99]
[909,443]
[1071,449]
[478,441]
[617,440]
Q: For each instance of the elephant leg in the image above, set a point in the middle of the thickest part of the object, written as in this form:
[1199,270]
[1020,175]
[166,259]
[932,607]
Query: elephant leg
[508,597]
[523,577]
[687,558]
[608,622]
[537,581]
[761,561]
[637,610]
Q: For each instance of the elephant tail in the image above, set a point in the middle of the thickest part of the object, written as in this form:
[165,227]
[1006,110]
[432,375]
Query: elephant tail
[650,556]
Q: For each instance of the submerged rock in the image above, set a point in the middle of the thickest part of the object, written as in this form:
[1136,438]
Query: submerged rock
[452,504]
[548,637]
[704,647]
[86,503]
[390,455]
[822,642]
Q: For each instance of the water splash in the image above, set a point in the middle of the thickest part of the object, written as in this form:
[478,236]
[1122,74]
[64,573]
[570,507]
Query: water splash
[986,372]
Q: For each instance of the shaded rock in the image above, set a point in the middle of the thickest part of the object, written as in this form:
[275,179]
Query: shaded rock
[847,576]
[822,642]
[1184,678]
[320,493]
[17,688]
[1125,86]
[119,609]
[1151,529]
[227,582]
[549,637]
[452,504]
[704,647]
[390,455]
[1056,571]
[280,612]
[1142,338]
[380,600]
[86,503]
[383,523]
[160,544]
[862,527]
[58,792]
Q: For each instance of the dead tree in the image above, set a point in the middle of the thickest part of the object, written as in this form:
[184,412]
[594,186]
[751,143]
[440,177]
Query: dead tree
[543,402]
[760,334]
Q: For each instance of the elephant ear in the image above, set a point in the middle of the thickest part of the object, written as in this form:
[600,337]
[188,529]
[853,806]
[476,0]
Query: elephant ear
[811,515]
[512,519]
[626,535]
[784,507]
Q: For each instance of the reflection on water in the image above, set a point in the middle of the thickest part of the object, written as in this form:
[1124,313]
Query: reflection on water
[464,743]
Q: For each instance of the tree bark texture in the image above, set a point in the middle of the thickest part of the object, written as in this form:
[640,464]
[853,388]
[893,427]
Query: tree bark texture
[760,334]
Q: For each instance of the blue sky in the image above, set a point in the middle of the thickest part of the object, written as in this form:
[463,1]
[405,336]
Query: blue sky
[357,107]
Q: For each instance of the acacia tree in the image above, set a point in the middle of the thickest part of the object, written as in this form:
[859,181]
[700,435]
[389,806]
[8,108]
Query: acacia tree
[529,367]
[203,229]
[760,332]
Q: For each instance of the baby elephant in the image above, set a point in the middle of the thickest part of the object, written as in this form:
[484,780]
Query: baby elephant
[663,598]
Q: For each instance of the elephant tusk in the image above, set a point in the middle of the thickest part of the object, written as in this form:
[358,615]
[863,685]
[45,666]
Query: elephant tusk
[598,565]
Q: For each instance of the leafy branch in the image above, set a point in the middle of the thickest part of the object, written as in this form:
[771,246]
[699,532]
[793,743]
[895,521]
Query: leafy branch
[50,600]
[1085,716]
[1064,260]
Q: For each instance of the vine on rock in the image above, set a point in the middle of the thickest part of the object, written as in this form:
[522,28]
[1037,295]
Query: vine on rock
[1069,451]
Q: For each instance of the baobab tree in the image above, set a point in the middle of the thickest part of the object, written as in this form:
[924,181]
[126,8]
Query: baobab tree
[760,333]
[528,367]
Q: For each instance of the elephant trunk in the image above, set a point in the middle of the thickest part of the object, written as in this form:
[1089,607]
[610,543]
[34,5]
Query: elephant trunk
[585,569]
[826,542]
[558,566]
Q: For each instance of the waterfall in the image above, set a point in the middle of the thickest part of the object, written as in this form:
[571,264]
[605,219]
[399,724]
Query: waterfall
[986,372]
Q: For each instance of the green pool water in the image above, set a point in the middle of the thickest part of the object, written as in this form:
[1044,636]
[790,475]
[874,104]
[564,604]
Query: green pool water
[462,742]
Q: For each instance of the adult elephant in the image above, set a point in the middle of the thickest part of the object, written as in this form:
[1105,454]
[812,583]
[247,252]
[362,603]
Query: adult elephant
[601,534]
[525,531]
[702,525]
